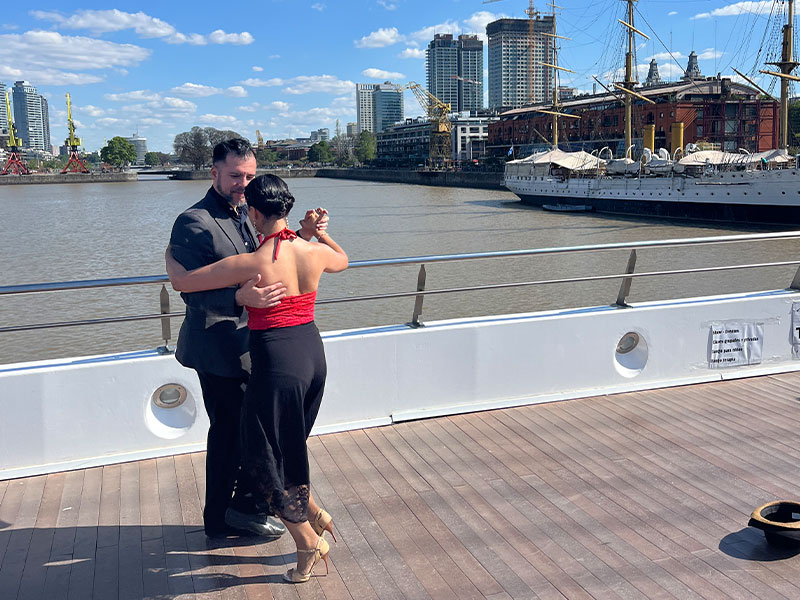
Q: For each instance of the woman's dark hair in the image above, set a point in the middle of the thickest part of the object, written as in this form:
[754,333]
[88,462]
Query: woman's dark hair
[270,195]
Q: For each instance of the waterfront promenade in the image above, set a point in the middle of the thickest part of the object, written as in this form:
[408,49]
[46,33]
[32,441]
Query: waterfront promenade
[638,495]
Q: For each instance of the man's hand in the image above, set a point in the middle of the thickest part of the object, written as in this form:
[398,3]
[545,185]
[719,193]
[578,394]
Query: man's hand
[249,294]
[315,222]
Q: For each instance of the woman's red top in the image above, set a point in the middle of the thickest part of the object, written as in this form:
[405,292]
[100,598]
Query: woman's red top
[293,310]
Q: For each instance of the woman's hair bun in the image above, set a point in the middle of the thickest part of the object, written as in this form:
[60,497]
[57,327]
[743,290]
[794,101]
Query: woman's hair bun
[270,195]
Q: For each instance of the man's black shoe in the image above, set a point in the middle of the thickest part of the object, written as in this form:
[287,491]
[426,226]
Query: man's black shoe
[258,524]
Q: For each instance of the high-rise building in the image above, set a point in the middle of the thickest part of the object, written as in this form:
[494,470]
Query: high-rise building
[3,113]
[454,70]
[378,105]
[31,116]
[470,73]
[364,112]
[387,105]
[352,129]
[140,144]
[509,78]
[321,135]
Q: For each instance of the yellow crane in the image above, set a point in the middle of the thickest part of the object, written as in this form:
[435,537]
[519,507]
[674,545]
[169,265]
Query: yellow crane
[441,128]
[74,164]
[14,164]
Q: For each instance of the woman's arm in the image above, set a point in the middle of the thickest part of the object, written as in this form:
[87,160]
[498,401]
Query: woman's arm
[229,271]
[334,258]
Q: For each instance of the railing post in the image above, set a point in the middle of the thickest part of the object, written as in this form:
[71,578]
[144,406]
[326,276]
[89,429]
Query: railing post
[625,288]
[795,285]
[415,321]
[166,329]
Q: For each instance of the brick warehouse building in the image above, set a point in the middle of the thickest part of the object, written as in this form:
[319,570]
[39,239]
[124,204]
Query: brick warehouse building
[714,110]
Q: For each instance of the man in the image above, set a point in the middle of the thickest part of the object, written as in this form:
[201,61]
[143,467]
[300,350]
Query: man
[214,337]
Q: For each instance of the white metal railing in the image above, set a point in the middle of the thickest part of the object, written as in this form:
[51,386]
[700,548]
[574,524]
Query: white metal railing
[165,314]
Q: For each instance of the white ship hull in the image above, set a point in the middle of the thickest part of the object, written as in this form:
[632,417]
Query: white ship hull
[757,196]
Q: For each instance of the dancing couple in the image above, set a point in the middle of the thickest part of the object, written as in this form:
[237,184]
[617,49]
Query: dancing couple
[249,284]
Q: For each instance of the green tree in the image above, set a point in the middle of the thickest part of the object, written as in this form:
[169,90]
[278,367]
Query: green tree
[320,152]
[192,147]
[118,152]
[366,147]
[151,159]
[266,157]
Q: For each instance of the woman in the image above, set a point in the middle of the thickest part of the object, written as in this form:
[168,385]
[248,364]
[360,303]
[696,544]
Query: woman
[288,362]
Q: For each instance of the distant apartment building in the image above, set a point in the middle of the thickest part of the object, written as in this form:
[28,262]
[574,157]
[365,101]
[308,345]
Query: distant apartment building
[510,83]
[352,129]
[31,116]
[3,112]
[454,71]
[321,135]
[378,105]
[140,144]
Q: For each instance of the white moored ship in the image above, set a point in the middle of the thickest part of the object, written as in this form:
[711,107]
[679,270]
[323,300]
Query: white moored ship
[738,186]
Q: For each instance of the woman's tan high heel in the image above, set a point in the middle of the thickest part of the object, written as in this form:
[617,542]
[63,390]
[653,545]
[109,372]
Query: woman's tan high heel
[321,523]
[320,552]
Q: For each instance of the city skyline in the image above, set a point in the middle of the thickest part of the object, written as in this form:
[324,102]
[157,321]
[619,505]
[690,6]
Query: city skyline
[289,68]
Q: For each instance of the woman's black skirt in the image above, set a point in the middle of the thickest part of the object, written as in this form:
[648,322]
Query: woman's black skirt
[281,404]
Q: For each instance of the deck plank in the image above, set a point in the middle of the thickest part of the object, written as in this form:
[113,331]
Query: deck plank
[641,495]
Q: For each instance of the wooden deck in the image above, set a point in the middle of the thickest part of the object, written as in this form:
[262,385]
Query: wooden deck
[640,495]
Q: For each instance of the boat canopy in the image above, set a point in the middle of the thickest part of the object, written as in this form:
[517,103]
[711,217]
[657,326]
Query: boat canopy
[716,157]
[574,161]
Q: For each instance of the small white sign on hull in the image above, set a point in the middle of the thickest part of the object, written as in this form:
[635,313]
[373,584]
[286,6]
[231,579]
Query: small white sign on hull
[735,344]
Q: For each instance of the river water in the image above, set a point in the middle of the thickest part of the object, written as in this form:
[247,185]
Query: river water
[93,231]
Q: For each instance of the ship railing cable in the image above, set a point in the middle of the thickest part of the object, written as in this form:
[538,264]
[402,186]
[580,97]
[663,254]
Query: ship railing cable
[166,314]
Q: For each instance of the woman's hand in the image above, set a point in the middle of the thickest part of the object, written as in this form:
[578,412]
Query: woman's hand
[314,223]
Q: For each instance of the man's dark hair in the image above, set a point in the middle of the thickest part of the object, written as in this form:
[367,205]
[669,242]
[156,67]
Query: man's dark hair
[236,146]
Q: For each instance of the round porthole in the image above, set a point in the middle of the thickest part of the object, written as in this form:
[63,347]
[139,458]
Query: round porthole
[171,395]
[631,354]
[628,342]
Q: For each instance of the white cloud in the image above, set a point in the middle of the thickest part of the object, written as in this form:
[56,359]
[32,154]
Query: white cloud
[278,105]
[136,95]
[48,76]
[738,8]
[144,25]
[92,111]
[107,121]
[51,50]
[177,103]
[274,56]
[258,69]
[219,119]
[478,21]
[381,74]
[412,53]
[380,39]
[151,121]
[239,39]
[256,82]
[426,33]
[306,84]
[387,5]
[672,13]
[195,90]
[318,6]
[236,91]
[709,54]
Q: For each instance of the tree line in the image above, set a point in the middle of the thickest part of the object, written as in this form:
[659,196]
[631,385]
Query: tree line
[195,146]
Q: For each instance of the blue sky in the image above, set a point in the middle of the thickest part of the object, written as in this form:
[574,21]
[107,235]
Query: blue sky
[287,67]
